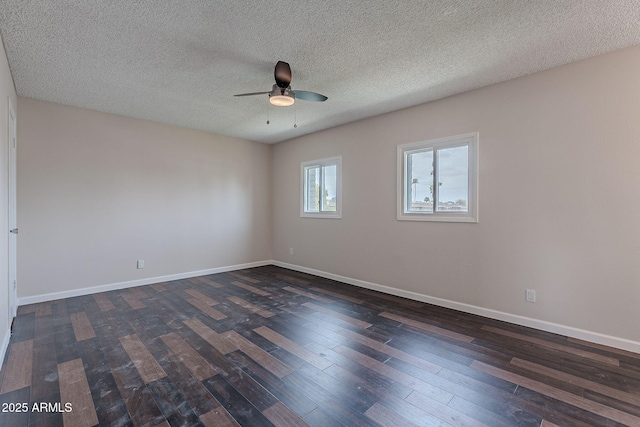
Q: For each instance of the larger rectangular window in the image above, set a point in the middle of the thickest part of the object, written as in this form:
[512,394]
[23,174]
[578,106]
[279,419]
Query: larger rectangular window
[321,188]
[437,179]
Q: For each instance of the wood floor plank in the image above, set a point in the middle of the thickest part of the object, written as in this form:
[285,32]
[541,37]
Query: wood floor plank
[263,358]
[559,412]
[332,399]
[43,309]
[315,321]
[429,390]
[245,385]
[206,309]
[391,298]
[342,388]
[561,395]
[44,375]
[172,403]
[580,382]
[216,340]
[366,381]
[109,406]
[357,322]
[137,397]
[208,281]
[104,302]
[281,416]
[443,412]
[133,300]
[338,295]
[138,292]
[243,411]
[415,414]
[82,326]
[19,367]
[322,417]
[251,307]
[290,279]
[193,392]
[23,326]
[293,348]
[244,277]
[251,288]
[43,330]
[391,351]
[25,309]
[198,366]
[202,297]
[387,418]
[219,417]
[604,348]
[484,412]
[427,327]
[308,294]
[143,360]
[160,287]
[292,398]
[567,349]
[74,389]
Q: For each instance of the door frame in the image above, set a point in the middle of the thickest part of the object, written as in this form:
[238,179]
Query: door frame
[12,208]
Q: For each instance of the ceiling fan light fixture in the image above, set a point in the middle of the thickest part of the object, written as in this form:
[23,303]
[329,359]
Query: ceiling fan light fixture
[284,100]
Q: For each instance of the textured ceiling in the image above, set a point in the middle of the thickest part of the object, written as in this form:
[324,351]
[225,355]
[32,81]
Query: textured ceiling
[181,62]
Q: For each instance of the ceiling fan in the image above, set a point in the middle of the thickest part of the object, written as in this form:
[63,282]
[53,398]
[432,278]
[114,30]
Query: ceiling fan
[281,93]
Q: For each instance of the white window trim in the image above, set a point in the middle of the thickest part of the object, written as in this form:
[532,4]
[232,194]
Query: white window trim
[323,162]
[470,139]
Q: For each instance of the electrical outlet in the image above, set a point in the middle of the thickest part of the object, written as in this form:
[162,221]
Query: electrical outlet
[531,295]
[290,251]
[140,263]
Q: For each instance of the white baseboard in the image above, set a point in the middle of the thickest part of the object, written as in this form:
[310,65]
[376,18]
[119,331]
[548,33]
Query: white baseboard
[4,345]
[140,282]
[594,337]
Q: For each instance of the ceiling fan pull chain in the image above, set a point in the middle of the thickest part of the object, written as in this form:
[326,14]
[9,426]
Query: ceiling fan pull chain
[295,116]
[268,114]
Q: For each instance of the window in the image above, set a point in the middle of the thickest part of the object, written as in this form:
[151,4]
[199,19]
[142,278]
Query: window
[437,179]
[321,188]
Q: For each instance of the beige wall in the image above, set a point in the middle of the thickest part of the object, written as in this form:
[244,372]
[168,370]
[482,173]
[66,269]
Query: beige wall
[7,90]
[558,200]
[97,192]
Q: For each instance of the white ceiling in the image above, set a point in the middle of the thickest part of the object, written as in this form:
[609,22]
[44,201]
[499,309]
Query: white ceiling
[181,62]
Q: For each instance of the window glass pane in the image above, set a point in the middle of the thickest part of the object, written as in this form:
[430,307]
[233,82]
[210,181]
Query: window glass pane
[329,176]
[312,189]
[453,174]
[419,181]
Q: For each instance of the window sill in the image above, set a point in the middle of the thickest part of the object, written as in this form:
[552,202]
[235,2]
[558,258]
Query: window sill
[437,218]
[321,215]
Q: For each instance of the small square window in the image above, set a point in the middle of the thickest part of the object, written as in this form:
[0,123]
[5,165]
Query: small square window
[437,179]
[321,188]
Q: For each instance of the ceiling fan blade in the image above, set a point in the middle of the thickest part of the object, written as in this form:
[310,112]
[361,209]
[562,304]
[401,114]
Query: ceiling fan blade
[282,74]
[252,93]
[309,96]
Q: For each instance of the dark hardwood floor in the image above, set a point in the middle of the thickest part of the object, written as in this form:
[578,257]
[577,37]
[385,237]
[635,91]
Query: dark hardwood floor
[269,346]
